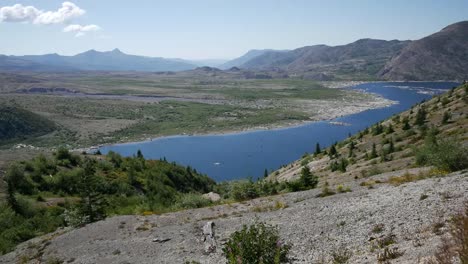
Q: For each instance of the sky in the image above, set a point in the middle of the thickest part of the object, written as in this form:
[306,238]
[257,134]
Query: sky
[213,29]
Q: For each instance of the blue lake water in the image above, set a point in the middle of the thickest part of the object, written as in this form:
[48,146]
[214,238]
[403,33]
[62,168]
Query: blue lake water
[248,154]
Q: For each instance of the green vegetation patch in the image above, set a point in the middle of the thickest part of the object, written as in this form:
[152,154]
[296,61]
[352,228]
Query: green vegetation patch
[18,123]
[71,190]
[257,243]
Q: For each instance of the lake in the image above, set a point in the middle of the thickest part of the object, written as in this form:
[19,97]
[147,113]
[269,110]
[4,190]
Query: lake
[248,154]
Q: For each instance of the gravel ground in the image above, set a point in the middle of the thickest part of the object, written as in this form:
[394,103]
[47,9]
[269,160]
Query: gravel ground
[315,227]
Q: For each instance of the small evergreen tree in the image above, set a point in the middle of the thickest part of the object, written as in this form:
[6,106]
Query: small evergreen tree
[13,178]
[377,129]
[406,125]
[360,135]
[343,164]
[383,156]
[420,117]
[140,155]
[308,180]
[317,149]
[265,173]
[92,203]
[334,166]
[332,152]
[389,129]
[351,147]
[391,147]
[373,151]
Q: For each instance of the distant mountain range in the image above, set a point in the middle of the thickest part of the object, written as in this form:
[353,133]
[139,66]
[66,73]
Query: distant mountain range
[441,56]
[362,59]
[92,60]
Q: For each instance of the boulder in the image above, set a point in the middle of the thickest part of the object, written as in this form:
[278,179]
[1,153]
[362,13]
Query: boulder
[214,197]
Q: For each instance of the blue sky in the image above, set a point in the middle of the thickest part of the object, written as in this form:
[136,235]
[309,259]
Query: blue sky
[201,29]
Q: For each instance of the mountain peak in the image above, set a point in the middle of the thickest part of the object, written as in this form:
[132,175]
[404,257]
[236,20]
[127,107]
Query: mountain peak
[463,25]
[89,52]
[116,51]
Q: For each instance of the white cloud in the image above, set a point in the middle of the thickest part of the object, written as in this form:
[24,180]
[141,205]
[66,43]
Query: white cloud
[18,13]
[81,30]
[30,14]
[64,14]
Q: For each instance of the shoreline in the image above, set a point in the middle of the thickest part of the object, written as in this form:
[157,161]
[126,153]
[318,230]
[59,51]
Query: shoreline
[377,102]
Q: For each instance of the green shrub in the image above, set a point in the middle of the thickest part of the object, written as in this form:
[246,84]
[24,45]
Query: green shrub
[269,187]
[295,186]
[373,170]
[244,190]
[420,117]
[343,189]
[341,166]
[388,254]
[377,129]
[192,200]
[255,244]
[406,125]
[446,155]
[446,117]
[341,256]
[326,191]
[305,161]
[373,153]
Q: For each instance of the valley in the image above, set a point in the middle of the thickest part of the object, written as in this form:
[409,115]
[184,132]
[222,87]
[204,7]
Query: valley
[393,187]
[340,136]
[90,109]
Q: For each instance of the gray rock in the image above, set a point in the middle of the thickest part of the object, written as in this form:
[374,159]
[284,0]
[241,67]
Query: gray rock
[212,196]
[209,239]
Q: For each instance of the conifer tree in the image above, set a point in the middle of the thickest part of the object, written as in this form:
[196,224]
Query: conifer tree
[308,180]
[332,151]
[92,203]
[317,149]
[373,152]
[420,117]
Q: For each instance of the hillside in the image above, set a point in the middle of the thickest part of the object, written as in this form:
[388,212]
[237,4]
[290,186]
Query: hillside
[243,59]
[438,126]
[17,123]
[359,60]
[352,224]
[440,56]
[92,60]
[68,189]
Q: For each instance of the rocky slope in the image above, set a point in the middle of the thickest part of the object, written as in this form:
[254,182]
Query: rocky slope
[354,222]
[440,56]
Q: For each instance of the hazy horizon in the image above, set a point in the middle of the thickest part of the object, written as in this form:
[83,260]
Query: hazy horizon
[209,29]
